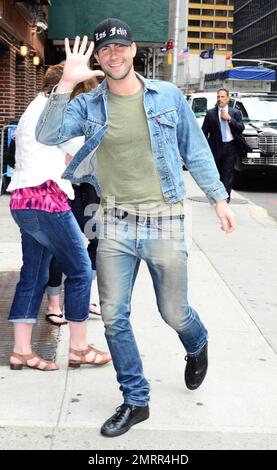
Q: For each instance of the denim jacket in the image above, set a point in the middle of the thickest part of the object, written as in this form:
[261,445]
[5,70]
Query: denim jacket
[176,137]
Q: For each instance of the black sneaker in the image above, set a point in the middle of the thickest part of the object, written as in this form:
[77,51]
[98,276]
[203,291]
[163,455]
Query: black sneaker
[196,369]
[124,418]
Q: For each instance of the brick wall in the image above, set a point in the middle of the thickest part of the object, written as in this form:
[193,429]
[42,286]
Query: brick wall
[7,83]
[39,77]
[20,80]
[32,80]
[21,90]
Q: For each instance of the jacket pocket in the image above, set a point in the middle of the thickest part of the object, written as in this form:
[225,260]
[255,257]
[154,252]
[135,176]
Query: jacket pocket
[167,122]
[92,127]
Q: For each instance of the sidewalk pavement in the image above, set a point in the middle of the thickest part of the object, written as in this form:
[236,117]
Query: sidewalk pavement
[235,408]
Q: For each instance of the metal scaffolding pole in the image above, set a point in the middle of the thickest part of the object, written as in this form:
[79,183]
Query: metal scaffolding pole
[175,45]
[154,63]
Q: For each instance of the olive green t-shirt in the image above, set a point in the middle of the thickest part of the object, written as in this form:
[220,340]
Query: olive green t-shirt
[126,167]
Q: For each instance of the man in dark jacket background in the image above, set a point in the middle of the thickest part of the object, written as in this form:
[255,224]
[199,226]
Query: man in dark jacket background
[223,129]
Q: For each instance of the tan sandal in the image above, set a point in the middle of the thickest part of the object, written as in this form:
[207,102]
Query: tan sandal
[24,358]
[104,357]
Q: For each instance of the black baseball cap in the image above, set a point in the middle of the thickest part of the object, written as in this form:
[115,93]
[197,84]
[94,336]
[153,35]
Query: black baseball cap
[111,31]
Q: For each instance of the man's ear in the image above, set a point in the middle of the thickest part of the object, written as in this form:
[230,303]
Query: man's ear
[134,49]
[96,57]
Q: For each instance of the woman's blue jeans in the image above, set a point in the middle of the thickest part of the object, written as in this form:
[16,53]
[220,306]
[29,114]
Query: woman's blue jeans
[43,235]
[161,245]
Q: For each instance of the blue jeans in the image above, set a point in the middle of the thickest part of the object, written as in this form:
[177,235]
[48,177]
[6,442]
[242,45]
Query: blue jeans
[43,235]
[85,195]
[161,245]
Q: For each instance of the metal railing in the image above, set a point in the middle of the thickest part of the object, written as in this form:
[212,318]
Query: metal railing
[2,142]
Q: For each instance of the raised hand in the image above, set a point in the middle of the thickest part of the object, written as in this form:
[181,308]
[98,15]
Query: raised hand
[76,67]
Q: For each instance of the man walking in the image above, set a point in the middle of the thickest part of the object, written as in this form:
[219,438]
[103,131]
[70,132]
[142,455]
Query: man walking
[223,128]
[138,134]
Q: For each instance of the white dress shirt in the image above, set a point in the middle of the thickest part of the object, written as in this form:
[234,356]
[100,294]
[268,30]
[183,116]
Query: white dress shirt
[229,135]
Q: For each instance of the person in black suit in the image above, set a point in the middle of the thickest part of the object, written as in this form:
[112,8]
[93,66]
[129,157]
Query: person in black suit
[223,129]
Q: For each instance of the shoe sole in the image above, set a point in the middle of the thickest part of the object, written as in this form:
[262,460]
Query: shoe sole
[21,366]
[76,365]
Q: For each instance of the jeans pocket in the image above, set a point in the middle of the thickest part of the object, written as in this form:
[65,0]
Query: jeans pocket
[63,215]
[26,219]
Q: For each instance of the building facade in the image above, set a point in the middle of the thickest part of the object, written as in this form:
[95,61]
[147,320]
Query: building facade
[204,25]
[20,77]
[255,30]
[210,25]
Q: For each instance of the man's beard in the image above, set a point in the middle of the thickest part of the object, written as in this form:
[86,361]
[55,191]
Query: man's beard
[110,74]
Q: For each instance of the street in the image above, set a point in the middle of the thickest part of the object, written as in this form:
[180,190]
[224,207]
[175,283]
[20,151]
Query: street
[263,192]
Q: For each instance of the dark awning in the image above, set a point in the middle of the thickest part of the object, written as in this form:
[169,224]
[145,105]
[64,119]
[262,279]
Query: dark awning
[39,2]
[147,19]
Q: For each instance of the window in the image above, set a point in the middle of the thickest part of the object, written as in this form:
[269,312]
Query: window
[220,35]
[220,12]
[208,24]
[207,12]
[199,106]
[207,46]
[242,109]
[207,35]
[193,45]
